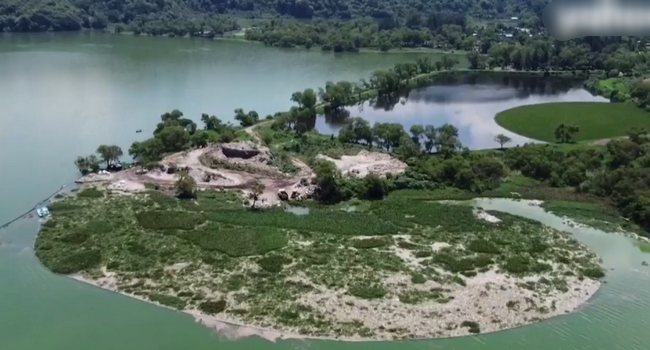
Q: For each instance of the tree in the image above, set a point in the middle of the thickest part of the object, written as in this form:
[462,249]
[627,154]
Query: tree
[407,148]
[185,185]
[327,175]
[246,119]
[306,99]
[87,164]
[388,134]
[430,133]
[447,141]
[147,151]
[109,154]
[448,62]
[418,132]
[476,61]
[502,139]
[175,118]
[174,138]
[357,130]
[374,186]
[256,190]
[212,123]
[202,138]
[564,133]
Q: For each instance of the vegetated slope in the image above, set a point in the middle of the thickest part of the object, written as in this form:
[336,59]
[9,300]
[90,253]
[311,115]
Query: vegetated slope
[56,15]
[596,120]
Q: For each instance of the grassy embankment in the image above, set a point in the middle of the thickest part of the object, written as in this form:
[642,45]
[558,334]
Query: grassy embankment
[596,120]
[260,267]
[617,88]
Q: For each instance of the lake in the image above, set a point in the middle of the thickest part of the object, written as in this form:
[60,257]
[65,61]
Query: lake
[64,94]
[469,103]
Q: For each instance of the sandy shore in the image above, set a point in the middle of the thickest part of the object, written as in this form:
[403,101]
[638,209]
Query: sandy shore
[483,300]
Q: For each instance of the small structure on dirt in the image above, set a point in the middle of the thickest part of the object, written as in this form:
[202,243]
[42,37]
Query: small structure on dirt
[282,194]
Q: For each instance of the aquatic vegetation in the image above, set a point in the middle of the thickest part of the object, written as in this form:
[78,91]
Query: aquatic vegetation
[594,119]
[169,220]
[213,307]
[90,193]
[270,267]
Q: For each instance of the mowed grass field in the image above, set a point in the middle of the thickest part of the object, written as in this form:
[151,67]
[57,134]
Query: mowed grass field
[597,120]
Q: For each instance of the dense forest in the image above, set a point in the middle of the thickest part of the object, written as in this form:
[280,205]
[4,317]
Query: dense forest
[67,15]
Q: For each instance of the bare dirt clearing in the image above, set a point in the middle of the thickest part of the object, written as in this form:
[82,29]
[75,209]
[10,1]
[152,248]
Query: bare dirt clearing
[366,162]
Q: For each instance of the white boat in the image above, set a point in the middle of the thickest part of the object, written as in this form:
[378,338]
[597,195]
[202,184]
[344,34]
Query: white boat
[39,211]
[45,211]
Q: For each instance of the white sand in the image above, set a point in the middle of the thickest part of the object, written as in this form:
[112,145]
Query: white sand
[486,216]
[484,300]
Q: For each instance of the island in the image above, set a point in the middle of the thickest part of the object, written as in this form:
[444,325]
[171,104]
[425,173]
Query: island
[270,228]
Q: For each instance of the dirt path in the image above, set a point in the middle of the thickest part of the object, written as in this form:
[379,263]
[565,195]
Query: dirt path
[603,142]
[251,130]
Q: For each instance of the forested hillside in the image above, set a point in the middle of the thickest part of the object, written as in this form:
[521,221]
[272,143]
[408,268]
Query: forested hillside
[59,15]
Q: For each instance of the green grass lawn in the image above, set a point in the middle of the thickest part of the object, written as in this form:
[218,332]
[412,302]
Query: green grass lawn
[596,120]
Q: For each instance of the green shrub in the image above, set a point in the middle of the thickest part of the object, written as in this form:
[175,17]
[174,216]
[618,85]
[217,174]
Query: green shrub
[237,241]
[423,254]
[517,264]
[90,192]
[473,326]
[367,291]
[63,206]
[168,300]
[418,296]
[50,223]
[537,246]
[97,227]
[169,220]
[594,272]
[335,222]
[273,263]
[75,237]
[213,307]
[407,245]
[368,243]
[483,246]
[418,278]
[77,261]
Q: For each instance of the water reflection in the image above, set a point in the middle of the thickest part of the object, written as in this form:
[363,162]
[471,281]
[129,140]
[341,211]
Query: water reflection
[469,103]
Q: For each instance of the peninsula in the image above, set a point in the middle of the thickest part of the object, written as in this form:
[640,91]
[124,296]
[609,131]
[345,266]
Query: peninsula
[270,228]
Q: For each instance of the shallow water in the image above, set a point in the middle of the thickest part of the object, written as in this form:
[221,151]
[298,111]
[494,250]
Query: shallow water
[470,105]
[296,210]
[62,95]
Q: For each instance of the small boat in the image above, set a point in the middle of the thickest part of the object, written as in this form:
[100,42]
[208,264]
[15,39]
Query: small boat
[39,211]
[46,211]
[138,131]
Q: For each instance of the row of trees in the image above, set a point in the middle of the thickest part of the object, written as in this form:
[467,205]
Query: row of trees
[108,154]
[152,15]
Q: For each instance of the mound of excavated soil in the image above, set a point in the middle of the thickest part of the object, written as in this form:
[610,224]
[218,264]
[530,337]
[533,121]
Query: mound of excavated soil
[366,162]
[244,150]
[242,156]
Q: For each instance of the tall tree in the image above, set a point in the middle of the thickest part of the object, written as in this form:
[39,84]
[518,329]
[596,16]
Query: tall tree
[502,139]
[109,154]
[256,190]
[564,133]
